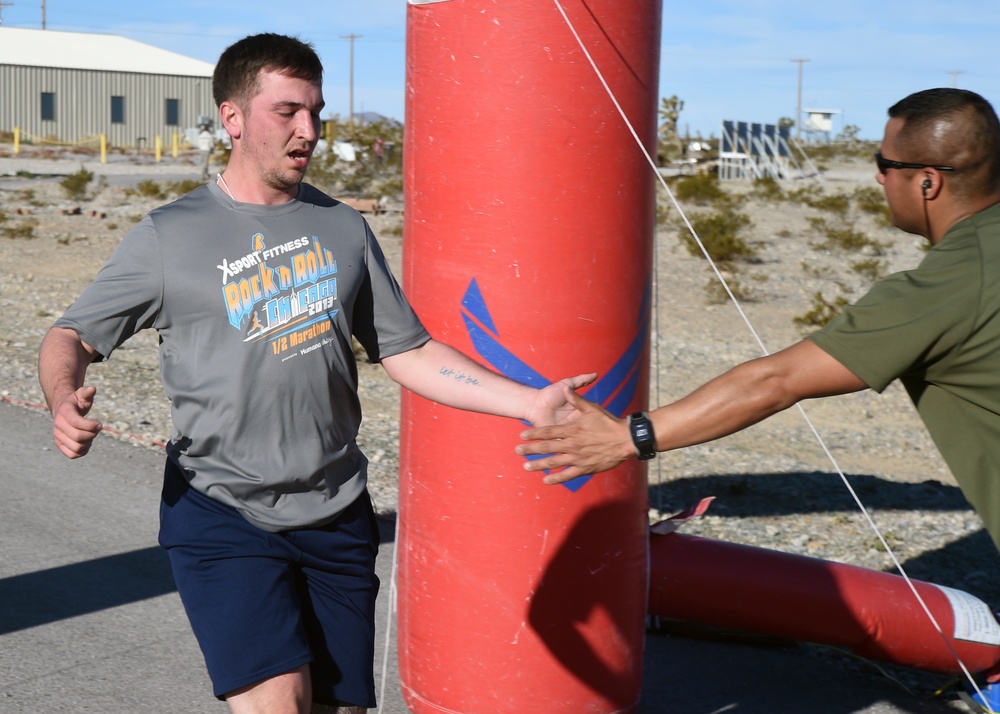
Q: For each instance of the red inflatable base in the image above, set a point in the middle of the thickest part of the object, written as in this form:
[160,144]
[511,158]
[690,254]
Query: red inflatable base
[874,614]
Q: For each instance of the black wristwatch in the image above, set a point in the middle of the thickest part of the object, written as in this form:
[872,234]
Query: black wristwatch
[641,429]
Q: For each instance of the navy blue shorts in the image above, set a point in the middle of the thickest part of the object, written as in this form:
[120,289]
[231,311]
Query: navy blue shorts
[262,604]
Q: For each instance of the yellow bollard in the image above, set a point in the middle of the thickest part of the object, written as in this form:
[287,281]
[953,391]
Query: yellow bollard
[104,148]
[173,150]
[159,148]
[17,140]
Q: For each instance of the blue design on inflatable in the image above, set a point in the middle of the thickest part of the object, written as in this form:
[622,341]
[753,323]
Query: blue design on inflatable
[614,391]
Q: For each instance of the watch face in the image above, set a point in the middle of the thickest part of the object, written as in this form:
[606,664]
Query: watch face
[641,429]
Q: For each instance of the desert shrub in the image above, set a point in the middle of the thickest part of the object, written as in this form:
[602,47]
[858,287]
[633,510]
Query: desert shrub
[814,197]
[871,200]
[817,271]
[75,185]
[700,189]
[148,188]
[841,149]
[845,239]
[804,194]
[835,203]
[767,189]
[870,268]
[22,231]
[391,186]
[719,231]
[181,188]
[662,213]
[821,312]
[716,293]
[27,195]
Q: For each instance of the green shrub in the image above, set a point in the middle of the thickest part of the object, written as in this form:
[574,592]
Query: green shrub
[719,232]
[871,268]
[392,186]
[24,231]
[845,239]
[27,195]
[75,185]
[871,200]
[837,203]
[767,189]
[805,194]
[699,189]
[148,188]
[821,311]
[717,295]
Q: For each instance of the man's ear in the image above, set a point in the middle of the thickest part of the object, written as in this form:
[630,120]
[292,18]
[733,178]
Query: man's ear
[232,119]
[930,185]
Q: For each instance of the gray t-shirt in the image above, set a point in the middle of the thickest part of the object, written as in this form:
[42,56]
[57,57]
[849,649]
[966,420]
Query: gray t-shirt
[255,307]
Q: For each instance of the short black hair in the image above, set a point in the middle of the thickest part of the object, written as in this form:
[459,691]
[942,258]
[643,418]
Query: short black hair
[237,73]
[974,145]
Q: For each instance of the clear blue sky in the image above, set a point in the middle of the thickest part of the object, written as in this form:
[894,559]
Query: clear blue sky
[726,59]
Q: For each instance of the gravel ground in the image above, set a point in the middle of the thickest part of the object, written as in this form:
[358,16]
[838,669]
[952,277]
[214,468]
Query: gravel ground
[774,484]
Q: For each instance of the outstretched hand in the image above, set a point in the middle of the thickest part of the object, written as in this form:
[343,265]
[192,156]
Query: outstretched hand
[587,441]
[73,431]
[552,404]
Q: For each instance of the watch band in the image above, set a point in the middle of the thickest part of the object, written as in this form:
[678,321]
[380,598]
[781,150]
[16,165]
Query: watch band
[641,429]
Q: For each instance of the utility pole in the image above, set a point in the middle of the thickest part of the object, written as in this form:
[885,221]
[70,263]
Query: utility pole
[954,77]
[798,106]
[350,119]
[43,14]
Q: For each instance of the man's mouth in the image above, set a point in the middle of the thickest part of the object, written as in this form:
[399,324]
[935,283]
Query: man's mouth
[300,157]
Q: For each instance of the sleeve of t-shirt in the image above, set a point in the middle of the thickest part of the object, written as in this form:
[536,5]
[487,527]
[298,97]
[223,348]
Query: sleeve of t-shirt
[384,322]
[908,321]
[125,295]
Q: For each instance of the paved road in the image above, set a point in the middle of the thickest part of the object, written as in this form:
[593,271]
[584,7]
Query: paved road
[90,620]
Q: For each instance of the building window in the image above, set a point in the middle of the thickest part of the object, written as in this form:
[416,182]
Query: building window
[48,106]
[117,110]
[173,112]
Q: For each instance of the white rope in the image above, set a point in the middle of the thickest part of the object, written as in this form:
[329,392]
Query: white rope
[760,343]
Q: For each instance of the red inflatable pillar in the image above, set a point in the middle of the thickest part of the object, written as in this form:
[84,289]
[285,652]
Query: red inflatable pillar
[873,613]
[529,220]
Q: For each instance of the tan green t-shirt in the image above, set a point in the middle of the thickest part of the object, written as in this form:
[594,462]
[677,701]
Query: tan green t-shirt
[937,329]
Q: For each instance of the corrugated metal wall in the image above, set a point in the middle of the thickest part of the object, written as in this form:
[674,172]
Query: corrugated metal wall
[83,104]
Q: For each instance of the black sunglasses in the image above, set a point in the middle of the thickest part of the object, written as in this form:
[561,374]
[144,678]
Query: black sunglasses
[885,164]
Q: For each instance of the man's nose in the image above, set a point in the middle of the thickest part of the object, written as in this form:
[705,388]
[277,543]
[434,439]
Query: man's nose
[308,127]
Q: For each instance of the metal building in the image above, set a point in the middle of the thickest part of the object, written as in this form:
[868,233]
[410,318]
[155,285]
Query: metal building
[71,87]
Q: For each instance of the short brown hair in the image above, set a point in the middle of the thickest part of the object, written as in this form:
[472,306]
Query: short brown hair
[237,74]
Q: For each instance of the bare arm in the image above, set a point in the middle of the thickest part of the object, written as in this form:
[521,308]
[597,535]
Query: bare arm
[443,374]
[594,440]
[62,368]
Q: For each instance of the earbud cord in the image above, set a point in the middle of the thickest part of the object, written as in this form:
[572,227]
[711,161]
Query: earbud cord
[225,186]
